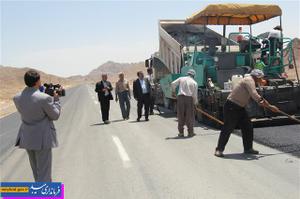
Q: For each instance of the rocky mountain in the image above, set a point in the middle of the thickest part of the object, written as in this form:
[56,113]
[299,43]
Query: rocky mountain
[12,79]
[110,67]
[12,82]
[113,68]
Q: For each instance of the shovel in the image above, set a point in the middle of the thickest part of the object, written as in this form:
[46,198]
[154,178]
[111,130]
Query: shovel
[283,113]
[209,116]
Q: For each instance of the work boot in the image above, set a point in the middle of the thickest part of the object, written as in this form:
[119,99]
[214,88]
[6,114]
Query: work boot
[147,119]
[180,135]
[191,134]
[138,119]
[219,153]
[251,151]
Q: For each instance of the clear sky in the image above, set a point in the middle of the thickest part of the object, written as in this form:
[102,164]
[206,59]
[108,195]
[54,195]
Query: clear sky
[73,37]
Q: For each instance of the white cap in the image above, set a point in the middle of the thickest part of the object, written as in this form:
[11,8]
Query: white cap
[257,73]
[191,72]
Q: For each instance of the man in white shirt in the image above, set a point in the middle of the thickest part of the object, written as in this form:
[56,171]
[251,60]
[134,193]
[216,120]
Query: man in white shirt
[274,38]
[186,99]
[275,33]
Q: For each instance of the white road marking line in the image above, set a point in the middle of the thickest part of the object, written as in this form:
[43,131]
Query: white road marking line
[122,152]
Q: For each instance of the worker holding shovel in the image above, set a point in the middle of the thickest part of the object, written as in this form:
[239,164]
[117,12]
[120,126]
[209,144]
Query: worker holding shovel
[235,113]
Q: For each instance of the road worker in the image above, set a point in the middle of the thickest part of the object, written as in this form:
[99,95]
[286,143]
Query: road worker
[186,101]
[235,113]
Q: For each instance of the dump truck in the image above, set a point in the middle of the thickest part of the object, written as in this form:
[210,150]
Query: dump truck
[220,60]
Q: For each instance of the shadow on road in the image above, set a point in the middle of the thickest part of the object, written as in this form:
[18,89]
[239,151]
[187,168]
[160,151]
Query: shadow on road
[292,152]
[178,138]
[241,156]
[204,126]
[119,120]
[186,137]
[208,134]
[141,121]
[102,123]
[167,114]
[97,124]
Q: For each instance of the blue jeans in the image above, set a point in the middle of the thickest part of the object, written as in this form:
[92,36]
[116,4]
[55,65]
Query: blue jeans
[124,103]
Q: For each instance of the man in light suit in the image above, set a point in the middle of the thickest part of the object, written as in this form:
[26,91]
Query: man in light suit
[37,133]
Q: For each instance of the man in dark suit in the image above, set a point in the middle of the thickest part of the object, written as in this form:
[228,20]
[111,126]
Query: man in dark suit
[37,132]
[104,88]
[141,93]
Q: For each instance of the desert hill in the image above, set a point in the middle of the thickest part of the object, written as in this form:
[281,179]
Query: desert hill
[113,68]
[12,82]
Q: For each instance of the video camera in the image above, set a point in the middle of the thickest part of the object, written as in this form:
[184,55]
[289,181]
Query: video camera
[50,88]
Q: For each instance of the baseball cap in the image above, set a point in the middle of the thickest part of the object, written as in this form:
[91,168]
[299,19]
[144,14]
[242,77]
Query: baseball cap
[191,72]
[257,73]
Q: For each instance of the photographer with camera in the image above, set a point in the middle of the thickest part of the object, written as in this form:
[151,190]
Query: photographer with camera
[51,88]
[37,132]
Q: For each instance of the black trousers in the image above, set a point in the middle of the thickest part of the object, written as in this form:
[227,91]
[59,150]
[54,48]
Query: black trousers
[235,116]
[152,102]
[105,105]
[275,44]
[144,100]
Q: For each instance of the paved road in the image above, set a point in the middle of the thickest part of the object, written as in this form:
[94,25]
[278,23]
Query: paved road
[145,160]
[282,138]
[10,126]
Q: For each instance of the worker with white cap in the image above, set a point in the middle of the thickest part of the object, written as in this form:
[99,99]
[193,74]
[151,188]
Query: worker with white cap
[186,99]
[275,40]
[236,115]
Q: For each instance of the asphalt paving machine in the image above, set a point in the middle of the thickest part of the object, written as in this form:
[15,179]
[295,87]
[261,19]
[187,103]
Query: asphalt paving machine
[221,61]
